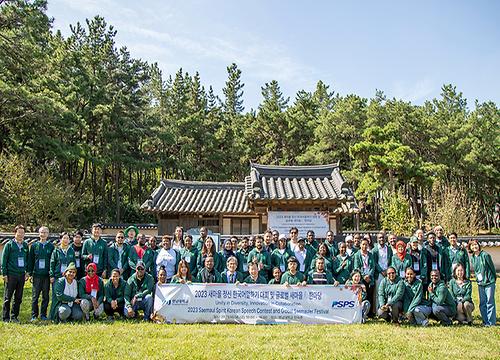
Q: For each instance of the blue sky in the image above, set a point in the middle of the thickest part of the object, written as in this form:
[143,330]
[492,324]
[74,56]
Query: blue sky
[406,49]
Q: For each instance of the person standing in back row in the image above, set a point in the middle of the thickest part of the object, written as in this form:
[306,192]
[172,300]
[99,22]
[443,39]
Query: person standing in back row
[95,250]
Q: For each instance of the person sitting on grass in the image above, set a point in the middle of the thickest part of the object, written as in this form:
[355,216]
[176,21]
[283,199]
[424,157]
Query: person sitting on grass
[292,276]
[461,289]
[138,293]
[66,300]
[231,275]
[415,307]
[443,304]
[276,280]
[114,295]
[390,296]
[355,280]
[254,277]
[319,275]
[183,275]
[209,274]
[91,291]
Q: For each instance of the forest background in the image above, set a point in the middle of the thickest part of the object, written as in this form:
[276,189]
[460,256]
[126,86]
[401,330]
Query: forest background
[88,132]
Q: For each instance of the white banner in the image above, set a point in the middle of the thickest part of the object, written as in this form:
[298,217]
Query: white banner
[257,304]
[282,221]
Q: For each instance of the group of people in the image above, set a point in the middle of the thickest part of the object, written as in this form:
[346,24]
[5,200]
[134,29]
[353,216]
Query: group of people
[427,277]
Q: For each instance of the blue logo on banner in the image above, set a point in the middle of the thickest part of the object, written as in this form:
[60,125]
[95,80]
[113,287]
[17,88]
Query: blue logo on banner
[342,304]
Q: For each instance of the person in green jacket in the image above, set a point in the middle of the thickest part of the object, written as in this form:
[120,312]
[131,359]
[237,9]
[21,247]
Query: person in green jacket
[280,255]
[304,256]
[254,277]
[183,275]
[209,274]
[95,250]
[382,257]
[141,252]
[14,261]
[292,276]
[261,257]
[456,255]
[77,247]
[485,273]
[441,240]
[461,289]
[330,242]
[139,293]
[231,274]
[91,291]
[324,252]
[355,280]
[319,275]
[401,260]
[67,300]
[390,296]
[342,265]
[311,241]
[434,256]
[38,268]
[190,254]
[118,256]
[364,262]
[276,280]
[443,304]
[418,259]
[226,253]
[242,256]
[208,249]
[114,294]
[415,307]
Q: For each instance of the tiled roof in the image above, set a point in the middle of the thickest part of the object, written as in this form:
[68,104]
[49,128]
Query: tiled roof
[198,197]
[283,183]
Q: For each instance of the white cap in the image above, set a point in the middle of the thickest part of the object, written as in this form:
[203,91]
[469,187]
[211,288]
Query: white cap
[348,238]
[282,236]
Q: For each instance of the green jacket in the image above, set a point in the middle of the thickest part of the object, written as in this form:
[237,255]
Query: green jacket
[419,265]
[328,264]
[401,266]
[329,277]
[342,270]
[12,257]
[413,296]
[442,296]
[192,256]
[391,292]
[82,291]
[358,264]
[273,282]
[441,261]
[261,257]
[58,259]
[204,272]
[239,277]
[461,293]
[112,293]
[147,259]
[376,253]
[334,248]
[280,260]
[260,280]
[58,297]
[292,279]
[139,291]
[99,251]
[39,258]
[484,269]
[114,256]
[218,265]
[454,258]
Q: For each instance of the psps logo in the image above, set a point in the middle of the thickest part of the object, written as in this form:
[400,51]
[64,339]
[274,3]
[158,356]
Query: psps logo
[342,304]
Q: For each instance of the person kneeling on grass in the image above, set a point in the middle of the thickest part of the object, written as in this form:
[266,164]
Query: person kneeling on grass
[138,293]
[356,281]
[443,304]
[66,299]
[461,289]
[415,307]
[390,296]
[114,292]
[91,291]
[254,277]
[292,276]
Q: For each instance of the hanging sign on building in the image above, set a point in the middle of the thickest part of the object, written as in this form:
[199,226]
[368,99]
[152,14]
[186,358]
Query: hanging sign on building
[282,221]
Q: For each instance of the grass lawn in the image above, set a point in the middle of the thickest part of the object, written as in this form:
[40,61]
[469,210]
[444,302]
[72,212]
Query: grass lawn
[131,339]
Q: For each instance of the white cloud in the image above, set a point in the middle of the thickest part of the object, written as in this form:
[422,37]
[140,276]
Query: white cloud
[416,92]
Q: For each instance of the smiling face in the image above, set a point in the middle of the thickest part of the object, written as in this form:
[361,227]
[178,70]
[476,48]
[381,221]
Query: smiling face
[70,275]
[115,277]
[209,263]
[459,272]
[410,275]
[188,242]
[292,266]
[120,238]
[43,233]
[228,246]
[165,243]
[435,277]
[276,274]
[391,274]
[96,232]
[342,249]
[178,233]
[356,278]
[431,238]
[162,276]
[65,240]
[453,240]
[320,264]
[232,265]
[131,234]
[253,270]
[268,238]
[183,269]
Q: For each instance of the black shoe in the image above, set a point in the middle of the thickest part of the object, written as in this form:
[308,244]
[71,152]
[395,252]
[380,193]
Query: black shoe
[15,320]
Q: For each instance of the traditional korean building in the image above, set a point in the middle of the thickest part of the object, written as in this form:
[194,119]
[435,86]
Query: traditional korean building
[267,194]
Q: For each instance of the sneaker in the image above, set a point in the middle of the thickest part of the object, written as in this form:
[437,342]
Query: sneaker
[425,323]
[15,320]
[87,317]
[43,318]
[33,319]
[111,318]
